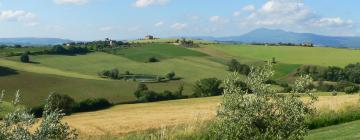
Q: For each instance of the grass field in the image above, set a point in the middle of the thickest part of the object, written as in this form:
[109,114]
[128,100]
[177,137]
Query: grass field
[159,51]
[6,51]
[288,55]
[123,119]
[171,40]
[347,131]
[36,87]
[188,68]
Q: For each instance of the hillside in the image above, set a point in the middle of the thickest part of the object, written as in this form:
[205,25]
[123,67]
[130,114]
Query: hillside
[33,41]
[264,35]
[124,119]
[55,73]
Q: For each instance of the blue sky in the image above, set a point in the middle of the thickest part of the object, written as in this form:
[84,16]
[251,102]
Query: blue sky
[129,19]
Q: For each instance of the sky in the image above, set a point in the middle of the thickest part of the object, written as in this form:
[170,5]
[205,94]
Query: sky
[131,19]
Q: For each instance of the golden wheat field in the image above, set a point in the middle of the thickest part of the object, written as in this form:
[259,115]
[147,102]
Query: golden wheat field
[124,119]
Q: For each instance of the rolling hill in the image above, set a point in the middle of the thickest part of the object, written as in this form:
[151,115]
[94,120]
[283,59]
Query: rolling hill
[264,35]
[33,41]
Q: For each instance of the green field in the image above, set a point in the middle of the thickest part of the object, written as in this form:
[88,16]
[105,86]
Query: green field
[347,131]
[77,75]
[290,55]
[159,51]
[6,51]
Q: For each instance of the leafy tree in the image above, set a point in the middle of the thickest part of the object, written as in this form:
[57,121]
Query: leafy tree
[351,89]
[207,87]
[353,72]
[140,88]
[153,59]
[235,66]
[61,102]
[263,115]
[21,125]
[25,58]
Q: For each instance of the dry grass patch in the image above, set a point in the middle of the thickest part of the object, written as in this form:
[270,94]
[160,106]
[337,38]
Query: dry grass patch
[124,119]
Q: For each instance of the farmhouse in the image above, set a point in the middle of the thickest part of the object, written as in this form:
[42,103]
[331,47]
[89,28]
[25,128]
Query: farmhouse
[149,37]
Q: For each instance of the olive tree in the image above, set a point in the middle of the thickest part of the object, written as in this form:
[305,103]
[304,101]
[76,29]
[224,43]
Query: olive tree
[20,124]
[264,114]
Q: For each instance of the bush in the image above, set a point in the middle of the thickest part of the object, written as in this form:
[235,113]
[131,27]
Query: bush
[265,115]
[170,75]
[92,104]
[351,89]
[325,87]
[25,57]
[235,66]
[113,73]
[61,102]
[143,94]
[207,87]
[153,59]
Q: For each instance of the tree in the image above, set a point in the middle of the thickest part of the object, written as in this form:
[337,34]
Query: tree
[170,75]
[153,59]
[140,88]
[207,87]
[263,115]
[21,125]
[61,102]
[235,66]
[25,57]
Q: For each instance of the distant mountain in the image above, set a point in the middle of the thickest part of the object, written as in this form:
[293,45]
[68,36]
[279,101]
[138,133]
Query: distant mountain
[33,41]
[264,35]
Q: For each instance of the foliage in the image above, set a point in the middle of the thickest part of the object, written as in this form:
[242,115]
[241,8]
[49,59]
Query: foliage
[263,114]
[153,59]
[330,117]
[143,94]
[351,89]
[67,50]
[19,125]
[60,102]
[207,87]
[350,73]
[92,104]
[235,66]
[25,58]
[170,75]
[113,73]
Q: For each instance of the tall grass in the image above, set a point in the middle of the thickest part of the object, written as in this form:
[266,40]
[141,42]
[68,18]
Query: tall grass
[326,118]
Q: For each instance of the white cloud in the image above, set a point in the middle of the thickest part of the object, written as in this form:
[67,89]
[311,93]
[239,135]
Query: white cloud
[146,3]
[159,24]
[179,26]
[218,20]
[17,15]
[77,2]
[237,13]
[332,22]
[249,8]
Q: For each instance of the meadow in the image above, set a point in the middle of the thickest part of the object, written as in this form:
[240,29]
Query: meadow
[76,75]
[126,119]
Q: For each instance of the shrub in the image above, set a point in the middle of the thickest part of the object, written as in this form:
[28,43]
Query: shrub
[143,94]
[92,104]
[351,89]
[170,75]
[325,87]
[20,124]
[153,59]
[113,73]
[235,66]
[61,102]
[241,116]
[207,87]
[25,57]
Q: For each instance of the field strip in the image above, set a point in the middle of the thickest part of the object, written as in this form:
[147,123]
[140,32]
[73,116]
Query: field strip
[123,119]
[44,70]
